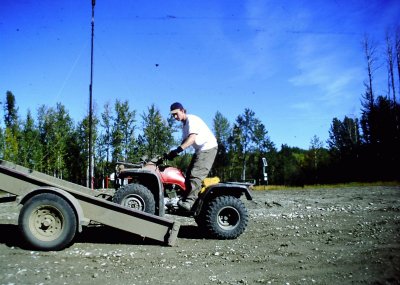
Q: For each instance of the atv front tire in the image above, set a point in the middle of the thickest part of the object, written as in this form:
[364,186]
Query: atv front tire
[225,217]
[135,196]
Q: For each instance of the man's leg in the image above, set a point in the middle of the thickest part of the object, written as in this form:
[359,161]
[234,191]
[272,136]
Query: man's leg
[198,169]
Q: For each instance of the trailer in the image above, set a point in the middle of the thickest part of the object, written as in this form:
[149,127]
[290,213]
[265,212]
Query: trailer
[53,210]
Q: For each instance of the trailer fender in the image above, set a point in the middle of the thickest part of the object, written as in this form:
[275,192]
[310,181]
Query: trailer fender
[82,221]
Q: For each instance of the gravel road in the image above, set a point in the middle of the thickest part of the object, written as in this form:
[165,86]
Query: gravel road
[298,236]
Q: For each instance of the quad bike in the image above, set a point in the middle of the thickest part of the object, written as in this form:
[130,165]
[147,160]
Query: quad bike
[154,187]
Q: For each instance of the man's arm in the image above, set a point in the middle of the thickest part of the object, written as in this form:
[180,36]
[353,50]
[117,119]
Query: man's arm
[184,145]
[188,141]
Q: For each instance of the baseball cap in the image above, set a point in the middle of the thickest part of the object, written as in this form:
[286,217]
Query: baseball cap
[175,107]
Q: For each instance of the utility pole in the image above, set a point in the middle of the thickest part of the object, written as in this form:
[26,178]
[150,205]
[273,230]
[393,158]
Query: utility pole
[91,167]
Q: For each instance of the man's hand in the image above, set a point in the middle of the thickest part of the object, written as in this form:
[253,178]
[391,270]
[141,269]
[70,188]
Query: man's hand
[173,153]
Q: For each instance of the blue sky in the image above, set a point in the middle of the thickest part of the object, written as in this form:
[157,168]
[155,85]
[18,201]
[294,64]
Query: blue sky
[296,64]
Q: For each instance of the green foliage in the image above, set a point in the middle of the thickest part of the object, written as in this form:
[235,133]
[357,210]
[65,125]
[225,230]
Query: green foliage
[382,139]
[222,131]
[11,146]
[104,143]
[123,140]
[2,143]
[30,150]
[344,137]
[54,146]
[248,135]
[12,131]
[11,113]
[157,134]
[55,128]
[289,166]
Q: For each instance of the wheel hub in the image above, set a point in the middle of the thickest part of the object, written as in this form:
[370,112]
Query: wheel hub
[134,202]
[228,218]
[46,223]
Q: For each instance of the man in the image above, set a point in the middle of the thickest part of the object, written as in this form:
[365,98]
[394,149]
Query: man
[195,133]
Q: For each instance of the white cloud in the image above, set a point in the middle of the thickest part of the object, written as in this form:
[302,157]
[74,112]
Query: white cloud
[302,106]
[325,67]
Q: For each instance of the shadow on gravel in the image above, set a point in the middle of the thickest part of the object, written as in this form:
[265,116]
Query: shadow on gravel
[108,235]
[191,232]
[11,236]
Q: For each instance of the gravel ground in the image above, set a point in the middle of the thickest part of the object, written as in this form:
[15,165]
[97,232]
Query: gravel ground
[315,236]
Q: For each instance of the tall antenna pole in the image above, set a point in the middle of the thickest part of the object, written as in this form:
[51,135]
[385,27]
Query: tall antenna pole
[91,105]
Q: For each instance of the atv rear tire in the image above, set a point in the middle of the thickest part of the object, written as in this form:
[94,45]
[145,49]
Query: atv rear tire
[225,217]
[135,196]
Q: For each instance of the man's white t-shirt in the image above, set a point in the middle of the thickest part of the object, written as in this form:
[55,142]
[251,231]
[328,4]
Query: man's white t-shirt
[205,139]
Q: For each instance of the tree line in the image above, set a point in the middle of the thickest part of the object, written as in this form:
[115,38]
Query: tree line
[358,149]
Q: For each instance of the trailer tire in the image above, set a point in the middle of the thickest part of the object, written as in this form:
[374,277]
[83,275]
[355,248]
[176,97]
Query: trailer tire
[225,217]
[47,222]
[135,196]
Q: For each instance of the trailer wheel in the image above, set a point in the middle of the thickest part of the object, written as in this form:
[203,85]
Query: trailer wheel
[135,196]
[47,222]
[225,217]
